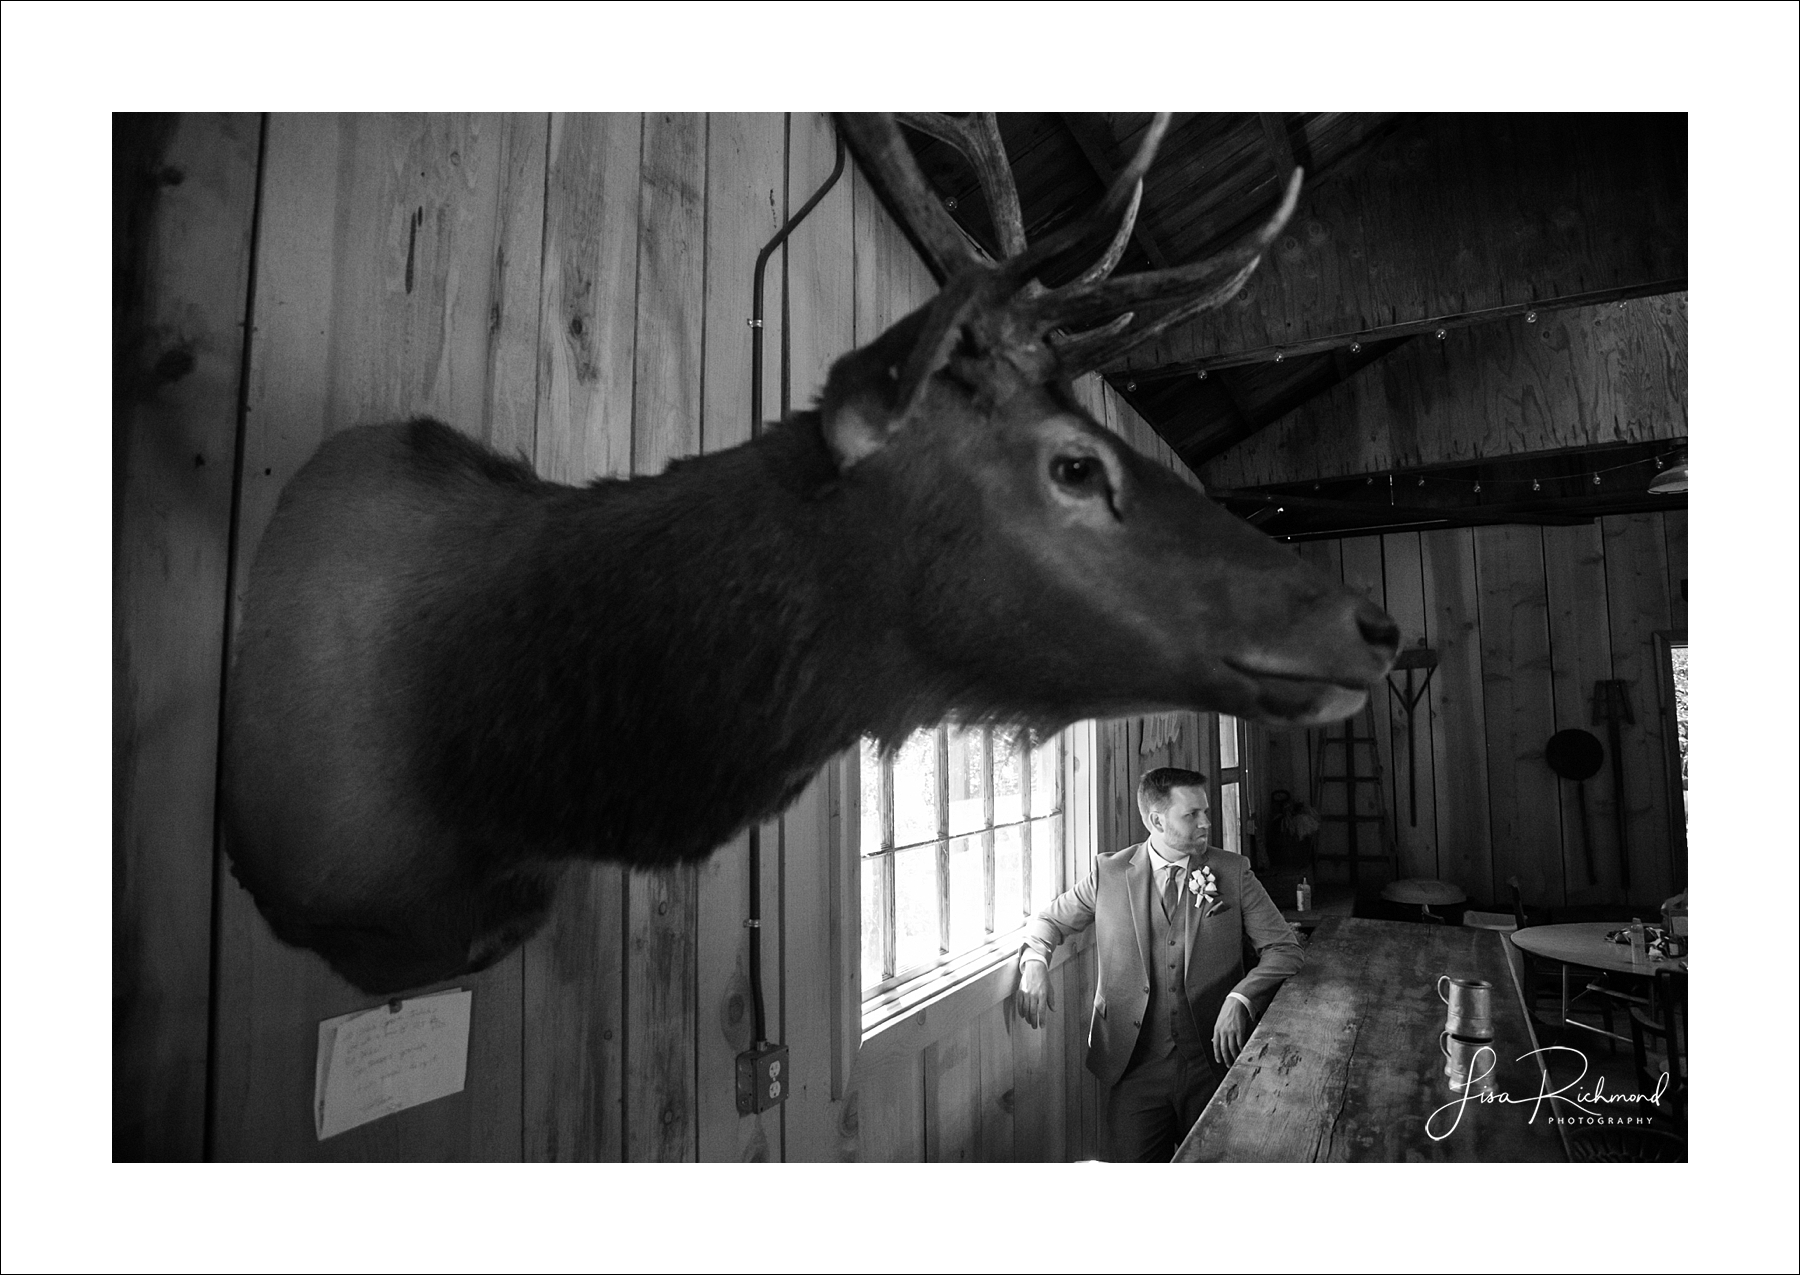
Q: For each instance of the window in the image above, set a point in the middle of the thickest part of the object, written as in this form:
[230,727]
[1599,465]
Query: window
[1678,676]
[1672,699]
[1228,784]
[961,840]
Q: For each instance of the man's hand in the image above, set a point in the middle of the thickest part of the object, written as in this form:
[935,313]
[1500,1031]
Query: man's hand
[1035,996]
[1231,1031]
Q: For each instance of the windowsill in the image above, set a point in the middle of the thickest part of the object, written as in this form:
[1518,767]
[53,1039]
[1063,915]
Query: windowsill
[914,1017]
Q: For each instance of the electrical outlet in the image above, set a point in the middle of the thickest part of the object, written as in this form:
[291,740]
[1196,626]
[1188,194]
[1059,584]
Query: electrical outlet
[762,1078]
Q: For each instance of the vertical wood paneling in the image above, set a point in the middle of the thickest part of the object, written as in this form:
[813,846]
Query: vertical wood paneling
[515,290]
[574,1037]
[1637,597]
[996,1128]
[821,328]
[1414,775]
[377,260]
[660,907]
[1039,1096]
[1675,529]
[175,440]
[1458,732]
[953,1096]
[888,1103]
[1074,986]
[1518,711]
[745,159]
[1581,652]
[588,335]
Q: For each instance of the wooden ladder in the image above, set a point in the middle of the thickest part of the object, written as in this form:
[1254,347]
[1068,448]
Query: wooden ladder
[1350,773]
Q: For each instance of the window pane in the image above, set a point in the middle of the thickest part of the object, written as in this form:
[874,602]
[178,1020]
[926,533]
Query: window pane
[870,768]
[872,912]
[1228,818]
[1009,880]
[915,790]
[966,765]
[968,920]
[1678,671]
[1009,768]
[1045,763]
[1046,854]
[1228,750]
[916,907]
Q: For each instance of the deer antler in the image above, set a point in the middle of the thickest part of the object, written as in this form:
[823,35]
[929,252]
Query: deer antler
[1128,311]
[978,140]
[1192,289]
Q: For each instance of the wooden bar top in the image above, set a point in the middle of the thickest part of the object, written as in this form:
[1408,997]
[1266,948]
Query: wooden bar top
[1345,1064]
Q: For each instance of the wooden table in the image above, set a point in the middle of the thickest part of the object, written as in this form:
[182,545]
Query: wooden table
[1585,944]
[1345,1064]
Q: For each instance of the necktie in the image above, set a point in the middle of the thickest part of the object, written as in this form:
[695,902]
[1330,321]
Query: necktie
[1171,893]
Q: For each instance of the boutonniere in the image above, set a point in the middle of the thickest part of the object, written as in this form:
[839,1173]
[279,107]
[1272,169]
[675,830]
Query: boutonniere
[1205,889]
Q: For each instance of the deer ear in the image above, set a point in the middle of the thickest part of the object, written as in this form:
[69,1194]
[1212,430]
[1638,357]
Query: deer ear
[857,428]
[871,392]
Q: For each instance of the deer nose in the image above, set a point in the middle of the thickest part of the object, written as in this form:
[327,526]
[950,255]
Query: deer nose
[1377,627]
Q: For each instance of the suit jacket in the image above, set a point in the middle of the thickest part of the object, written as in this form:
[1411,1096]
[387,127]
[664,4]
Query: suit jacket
[1117,896]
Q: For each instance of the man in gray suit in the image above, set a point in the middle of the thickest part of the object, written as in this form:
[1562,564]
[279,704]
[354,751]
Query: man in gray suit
[1173,915]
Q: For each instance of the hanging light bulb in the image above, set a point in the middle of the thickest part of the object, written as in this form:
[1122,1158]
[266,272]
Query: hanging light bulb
[1478,487]
[1673,480]
[1534,485]
[1596,480]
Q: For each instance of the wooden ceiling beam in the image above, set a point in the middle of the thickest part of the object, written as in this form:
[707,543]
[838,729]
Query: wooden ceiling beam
[1096,145]
[1281,150]
[1454,220]
[1574,378]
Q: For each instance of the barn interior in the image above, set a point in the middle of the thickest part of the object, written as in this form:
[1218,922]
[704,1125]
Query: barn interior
[1456,383]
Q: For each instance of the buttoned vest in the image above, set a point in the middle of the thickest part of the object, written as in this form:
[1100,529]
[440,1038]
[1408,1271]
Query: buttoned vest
[1168,1022]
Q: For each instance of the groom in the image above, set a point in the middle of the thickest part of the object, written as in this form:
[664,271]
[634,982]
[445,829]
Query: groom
[1174,1003]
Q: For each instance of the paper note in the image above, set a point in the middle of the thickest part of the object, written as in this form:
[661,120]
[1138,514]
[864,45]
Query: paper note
[378,1061]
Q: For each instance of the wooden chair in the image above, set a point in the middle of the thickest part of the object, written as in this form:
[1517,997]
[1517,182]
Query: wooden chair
[1543,979]
[1667,1021]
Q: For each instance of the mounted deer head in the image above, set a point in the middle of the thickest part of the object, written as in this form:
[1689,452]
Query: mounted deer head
[452,678]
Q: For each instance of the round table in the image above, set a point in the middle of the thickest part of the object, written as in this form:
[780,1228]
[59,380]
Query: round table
[1584,943]
[1423,893]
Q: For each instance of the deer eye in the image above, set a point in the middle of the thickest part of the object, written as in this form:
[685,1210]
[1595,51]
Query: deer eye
[1078,473]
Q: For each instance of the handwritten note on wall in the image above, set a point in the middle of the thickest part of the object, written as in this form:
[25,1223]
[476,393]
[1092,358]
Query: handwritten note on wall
[378,1061]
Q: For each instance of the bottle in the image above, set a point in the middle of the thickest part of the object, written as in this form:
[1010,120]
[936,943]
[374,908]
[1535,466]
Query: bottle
[1636,933]
[1303,896]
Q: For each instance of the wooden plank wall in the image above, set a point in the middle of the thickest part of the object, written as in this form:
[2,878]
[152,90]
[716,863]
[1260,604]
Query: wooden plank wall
[1524,620]
[185,199]
[573,289]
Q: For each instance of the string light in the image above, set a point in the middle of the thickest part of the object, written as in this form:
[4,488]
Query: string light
[1477,485]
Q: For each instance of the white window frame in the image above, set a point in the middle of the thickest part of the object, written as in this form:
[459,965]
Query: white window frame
[983,973]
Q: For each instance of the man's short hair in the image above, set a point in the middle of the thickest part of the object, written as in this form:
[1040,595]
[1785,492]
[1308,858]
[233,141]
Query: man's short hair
[1153,789]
